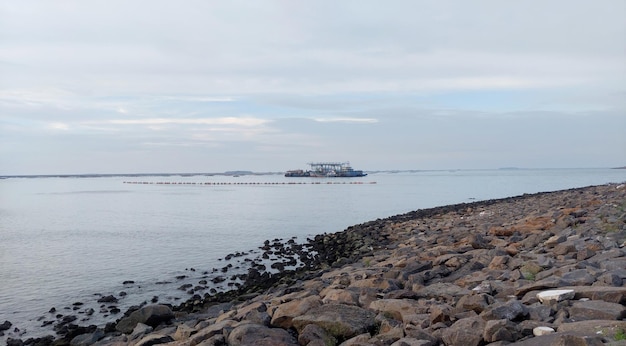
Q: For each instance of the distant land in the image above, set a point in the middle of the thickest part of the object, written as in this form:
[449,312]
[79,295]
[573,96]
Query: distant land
[237,173]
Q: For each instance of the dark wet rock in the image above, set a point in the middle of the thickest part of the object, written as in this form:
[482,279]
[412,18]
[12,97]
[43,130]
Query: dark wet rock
[151,315]
[108,299]
[185,287]
[87,339]
[6,325]
[14,342]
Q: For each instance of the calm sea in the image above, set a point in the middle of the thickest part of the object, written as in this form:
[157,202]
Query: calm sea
[67,240]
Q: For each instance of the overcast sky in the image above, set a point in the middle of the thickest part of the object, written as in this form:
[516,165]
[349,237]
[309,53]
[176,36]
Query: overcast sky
[211,86]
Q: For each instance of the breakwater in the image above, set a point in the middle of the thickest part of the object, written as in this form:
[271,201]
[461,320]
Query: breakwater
[545,268]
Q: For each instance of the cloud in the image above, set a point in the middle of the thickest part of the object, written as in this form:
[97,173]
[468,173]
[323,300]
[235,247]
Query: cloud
[58,126]
[347,120]
[274,81]
[238,121]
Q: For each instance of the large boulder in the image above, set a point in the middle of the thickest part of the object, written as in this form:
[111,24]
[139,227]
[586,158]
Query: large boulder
[596,310]
[340,321]
[256,334]
[399,309]
[284,314]
[151,315]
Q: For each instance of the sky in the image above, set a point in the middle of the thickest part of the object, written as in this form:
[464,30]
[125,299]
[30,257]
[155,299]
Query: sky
[147,86]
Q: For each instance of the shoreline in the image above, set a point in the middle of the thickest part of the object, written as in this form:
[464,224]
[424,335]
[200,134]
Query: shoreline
[363,246]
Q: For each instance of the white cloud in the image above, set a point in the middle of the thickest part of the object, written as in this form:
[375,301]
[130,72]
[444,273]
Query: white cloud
[238,121]
[58,126]
[346,120]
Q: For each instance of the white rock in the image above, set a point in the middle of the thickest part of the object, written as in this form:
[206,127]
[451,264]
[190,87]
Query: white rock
[538,331]
[553,296]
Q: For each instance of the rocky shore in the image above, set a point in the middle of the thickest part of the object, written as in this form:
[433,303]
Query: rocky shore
[540,269]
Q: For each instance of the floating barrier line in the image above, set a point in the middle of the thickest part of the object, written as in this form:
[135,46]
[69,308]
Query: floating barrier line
[248,183]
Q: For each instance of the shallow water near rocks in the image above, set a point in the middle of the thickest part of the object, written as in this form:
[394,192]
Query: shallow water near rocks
[75,239]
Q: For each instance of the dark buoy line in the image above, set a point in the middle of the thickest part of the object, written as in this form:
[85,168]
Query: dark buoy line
[248,183]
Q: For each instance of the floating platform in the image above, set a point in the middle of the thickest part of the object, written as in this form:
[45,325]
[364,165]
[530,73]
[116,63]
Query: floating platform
[327,170]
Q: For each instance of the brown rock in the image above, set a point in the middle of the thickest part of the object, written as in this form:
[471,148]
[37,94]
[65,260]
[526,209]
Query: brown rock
[210,331]
[499,262]
[442,290]
[440,313]
[501,330]
[466,331]
[339,296]
[183,332]
[564,248]
[284,313]
[381,284]
[475,302]
[399,309]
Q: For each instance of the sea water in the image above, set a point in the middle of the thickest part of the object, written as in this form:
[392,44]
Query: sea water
[65,240]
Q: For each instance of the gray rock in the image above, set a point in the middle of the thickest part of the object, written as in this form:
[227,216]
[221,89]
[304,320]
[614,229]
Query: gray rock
[580,277]
[540,312]
[596,310]
[256,334]
[607,294]
[615,278]
[154,339]
[511,310]
[340,321]
[313,334]
[549,282]
[442,290]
